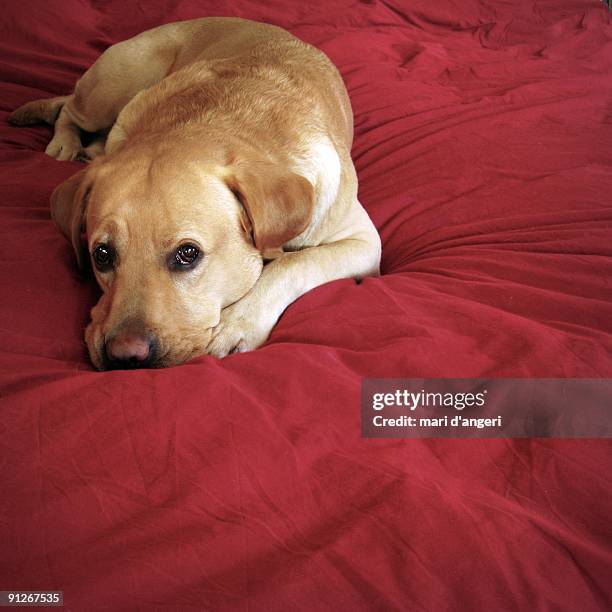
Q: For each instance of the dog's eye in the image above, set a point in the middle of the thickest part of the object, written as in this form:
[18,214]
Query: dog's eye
[186,255]
[103,257]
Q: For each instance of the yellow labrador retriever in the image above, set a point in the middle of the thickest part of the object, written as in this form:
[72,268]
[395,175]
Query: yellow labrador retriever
[221,187]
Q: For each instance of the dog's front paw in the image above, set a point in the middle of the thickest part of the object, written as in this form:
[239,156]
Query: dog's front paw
[238,332]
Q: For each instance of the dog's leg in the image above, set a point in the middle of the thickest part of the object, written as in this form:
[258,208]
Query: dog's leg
[116,77]
[38,110]
[66,142]
[246,324]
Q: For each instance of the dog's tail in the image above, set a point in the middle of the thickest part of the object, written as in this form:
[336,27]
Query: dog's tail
[39,110]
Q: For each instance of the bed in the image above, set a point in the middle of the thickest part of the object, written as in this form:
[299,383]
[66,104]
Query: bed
[483,145]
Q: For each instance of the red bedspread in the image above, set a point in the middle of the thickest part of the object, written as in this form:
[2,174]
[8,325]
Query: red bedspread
[483,146]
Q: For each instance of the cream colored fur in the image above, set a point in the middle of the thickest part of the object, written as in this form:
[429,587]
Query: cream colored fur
[224,133]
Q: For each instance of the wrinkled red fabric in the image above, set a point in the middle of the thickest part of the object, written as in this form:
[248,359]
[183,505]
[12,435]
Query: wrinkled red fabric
[483,144]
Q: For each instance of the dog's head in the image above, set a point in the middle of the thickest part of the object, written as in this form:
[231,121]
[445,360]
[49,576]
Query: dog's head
[172,241]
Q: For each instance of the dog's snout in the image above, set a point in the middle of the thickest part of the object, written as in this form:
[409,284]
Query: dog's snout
[128,350]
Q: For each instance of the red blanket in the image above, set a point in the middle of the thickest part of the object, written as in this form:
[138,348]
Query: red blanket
[483,147]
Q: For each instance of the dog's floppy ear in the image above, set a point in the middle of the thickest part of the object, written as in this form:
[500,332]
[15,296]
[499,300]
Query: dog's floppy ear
[68,203]
[279,204]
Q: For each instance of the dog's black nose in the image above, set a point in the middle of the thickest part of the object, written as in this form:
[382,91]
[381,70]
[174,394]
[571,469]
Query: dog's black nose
[128,350]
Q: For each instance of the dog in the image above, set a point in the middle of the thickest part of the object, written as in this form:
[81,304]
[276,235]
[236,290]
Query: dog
[219,188]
